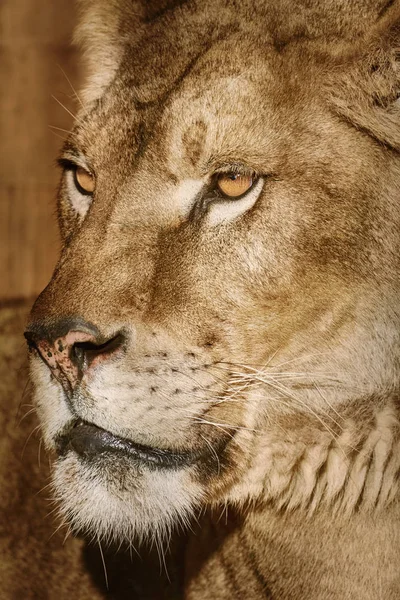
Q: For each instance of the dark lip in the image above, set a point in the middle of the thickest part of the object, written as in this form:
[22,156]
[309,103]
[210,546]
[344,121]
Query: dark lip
[91,442]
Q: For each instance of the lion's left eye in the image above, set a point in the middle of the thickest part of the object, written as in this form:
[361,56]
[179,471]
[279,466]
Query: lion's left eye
[233,185]
[84,181]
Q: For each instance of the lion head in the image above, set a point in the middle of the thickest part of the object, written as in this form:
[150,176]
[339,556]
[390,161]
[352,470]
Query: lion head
[223,322]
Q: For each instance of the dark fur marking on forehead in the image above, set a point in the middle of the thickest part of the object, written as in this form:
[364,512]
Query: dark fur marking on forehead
[162,99]
[153,13]
[385,8]
[136,75]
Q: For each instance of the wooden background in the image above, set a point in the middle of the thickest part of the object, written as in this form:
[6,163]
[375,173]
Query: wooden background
[35,49]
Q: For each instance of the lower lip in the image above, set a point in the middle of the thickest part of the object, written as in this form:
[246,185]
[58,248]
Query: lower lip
[91,442]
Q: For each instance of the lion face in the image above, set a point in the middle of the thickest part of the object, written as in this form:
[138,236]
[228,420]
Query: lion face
[224,234]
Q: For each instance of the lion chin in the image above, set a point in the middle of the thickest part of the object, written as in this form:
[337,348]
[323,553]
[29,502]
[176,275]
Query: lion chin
[123,502]
[221,333]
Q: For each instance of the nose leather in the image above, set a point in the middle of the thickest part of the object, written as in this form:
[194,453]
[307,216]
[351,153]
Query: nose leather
[68,348]
[61,358]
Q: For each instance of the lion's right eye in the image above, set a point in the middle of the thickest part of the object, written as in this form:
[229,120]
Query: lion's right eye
[234,185]
[84,181]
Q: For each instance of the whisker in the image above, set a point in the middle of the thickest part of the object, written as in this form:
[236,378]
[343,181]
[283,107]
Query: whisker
[39,449]
[71,86]
[285,389]
[104,563]
[44,488]
[302,358]
[213,451]
[161,557]
[59,136]
[54,510]
[271,379]
[29,437]
[59,129]
[66,109]
[62,524]
[289,394]
[224,425]
[29,412]
[224,511]
[69,531]
[283,374]
[328,403]
[24,391]
[315,414]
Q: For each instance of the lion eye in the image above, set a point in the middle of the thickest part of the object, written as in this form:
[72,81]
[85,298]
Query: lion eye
[234,185]
[84,181]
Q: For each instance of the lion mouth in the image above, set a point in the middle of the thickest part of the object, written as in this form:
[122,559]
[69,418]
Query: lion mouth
[90,442]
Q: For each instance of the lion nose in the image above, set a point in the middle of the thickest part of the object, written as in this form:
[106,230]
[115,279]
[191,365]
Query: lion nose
[70,347]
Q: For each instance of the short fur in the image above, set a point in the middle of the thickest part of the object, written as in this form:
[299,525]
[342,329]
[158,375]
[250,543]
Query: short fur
[262,333]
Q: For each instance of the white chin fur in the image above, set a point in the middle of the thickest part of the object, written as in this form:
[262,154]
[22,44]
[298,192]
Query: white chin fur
[126,503]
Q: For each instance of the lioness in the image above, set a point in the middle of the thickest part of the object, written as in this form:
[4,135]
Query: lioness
[220,339]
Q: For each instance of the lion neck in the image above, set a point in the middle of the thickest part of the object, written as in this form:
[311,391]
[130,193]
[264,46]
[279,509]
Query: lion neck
[311,499]
[347,465]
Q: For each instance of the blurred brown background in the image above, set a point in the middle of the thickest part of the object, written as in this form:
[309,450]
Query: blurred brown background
[35,49]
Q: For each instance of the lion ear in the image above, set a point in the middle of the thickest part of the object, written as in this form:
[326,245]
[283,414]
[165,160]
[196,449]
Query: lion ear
[103,29]
[368,91]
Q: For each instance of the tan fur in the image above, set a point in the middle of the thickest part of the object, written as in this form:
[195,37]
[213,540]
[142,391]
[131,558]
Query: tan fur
[261,333]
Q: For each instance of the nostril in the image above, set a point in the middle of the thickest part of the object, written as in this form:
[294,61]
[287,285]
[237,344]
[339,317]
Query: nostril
[30,338]
[77,355]
[85,352]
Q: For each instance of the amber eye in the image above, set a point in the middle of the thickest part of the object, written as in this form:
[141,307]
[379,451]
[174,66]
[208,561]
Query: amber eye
[84,181]
[233,185]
